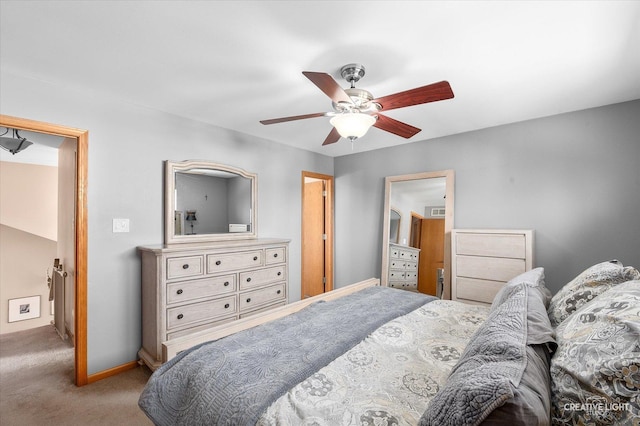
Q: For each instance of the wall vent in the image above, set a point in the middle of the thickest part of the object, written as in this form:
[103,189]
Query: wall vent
[437,212]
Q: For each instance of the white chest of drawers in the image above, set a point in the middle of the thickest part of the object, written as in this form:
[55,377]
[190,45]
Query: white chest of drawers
[484,260]
[403,267]
[190,287]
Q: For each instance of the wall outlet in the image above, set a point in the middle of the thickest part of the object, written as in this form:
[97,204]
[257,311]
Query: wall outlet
[120,225]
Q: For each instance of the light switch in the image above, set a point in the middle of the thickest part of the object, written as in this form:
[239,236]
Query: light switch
[120,225]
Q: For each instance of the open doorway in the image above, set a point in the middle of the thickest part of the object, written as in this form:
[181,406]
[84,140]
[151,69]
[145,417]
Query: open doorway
[80,235]
[317,234]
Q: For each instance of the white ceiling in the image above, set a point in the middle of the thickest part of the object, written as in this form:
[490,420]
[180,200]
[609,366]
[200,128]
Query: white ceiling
[233,63]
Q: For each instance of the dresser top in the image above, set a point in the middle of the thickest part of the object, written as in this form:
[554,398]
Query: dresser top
[231,244]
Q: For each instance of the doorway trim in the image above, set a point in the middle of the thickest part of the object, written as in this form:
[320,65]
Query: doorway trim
[328,226]
[81,237]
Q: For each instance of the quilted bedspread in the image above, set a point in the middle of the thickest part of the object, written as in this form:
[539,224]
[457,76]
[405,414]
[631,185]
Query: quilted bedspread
[235,379]
[387,379]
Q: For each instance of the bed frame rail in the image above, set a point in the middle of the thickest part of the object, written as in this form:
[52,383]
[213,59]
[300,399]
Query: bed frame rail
[173,347]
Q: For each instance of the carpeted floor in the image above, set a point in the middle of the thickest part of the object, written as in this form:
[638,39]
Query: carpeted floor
[36,386]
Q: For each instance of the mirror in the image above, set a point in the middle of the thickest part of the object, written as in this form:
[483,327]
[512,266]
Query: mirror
[421,198]
[206,201]
[394,225]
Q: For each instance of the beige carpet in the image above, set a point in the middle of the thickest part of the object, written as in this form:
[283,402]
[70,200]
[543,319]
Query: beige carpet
[36,386]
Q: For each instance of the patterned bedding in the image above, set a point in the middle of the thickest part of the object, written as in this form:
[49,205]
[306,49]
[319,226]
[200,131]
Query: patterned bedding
[390,377]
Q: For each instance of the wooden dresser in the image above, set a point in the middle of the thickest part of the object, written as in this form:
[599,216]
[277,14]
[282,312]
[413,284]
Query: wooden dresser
[191,287]
[483,260]
[403,267]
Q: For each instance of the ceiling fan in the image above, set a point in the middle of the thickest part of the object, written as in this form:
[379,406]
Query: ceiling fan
[356,110]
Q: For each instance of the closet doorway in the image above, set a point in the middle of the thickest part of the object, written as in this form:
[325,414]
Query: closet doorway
[81,231]
[317,234]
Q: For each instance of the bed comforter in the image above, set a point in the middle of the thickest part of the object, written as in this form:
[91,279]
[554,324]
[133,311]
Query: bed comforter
[387,379]
[235,379]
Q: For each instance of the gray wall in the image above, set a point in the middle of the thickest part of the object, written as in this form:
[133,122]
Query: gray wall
[573,178]
[127,147]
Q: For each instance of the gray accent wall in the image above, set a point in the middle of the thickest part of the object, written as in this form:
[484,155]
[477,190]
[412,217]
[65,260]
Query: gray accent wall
[573,178]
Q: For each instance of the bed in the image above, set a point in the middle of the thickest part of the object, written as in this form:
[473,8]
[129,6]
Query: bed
[372,355]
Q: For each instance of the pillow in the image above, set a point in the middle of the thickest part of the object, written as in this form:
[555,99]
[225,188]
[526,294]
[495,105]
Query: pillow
[533,278]
[539,330]
[585,287]
[498,369]
[531,402]
[595,372]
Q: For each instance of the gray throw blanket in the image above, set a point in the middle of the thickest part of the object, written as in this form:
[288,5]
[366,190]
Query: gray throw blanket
[233,380]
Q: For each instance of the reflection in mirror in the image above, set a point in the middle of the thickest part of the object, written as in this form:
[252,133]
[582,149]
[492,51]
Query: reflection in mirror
[208,201]
[394,225]
[427,199]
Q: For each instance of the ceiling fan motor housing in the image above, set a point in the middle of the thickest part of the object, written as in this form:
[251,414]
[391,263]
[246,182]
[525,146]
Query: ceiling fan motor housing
[352,73]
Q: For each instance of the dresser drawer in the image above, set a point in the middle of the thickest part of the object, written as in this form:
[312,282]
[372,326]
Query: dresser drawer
[205,326]
[183,267]
[491,245]
[233,261]
[411,276]
[275,255]
[397,275]
[489,268]
[263,309]
[477,290]
[259,297]
[411,266]
[408,255]
[397,264]
[197,312]
[394,252]
[260,277]
[188,290]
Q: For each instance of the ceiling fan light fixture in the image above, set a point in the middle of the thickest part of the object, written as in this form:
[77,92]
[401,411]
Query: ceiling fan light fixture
[352,125]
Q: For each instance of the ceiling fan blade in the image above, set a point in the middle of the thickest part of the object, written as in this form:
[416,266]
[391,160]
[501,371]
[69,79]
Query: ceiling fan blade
[394,126]
[328,85]
[333,137]
[420,95]
[293,117]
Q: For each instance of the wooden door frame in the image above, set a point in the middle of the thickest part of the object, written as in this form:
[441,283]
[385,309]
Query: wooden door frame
[328,226]
[81,230]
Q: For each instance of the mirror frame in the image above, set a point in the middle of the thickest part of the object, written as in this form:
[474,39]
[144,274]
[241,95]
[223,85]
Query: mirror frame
[172,167]
[448,222]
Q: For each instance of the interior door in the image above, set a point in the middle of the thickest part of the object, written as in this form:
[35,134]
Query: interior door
[317,234]
[313,239]
[431,255]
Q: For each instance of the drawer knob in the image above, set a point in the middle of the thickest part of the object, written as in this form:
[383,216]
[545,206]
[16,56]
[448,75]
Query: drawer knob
[279,291]
[180,316]
[226,283]
[249,279]
[226,306]
[255,257]
[218,262]
[185,266]
[279,273]
[179,291]
[275,254]
[249,300]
